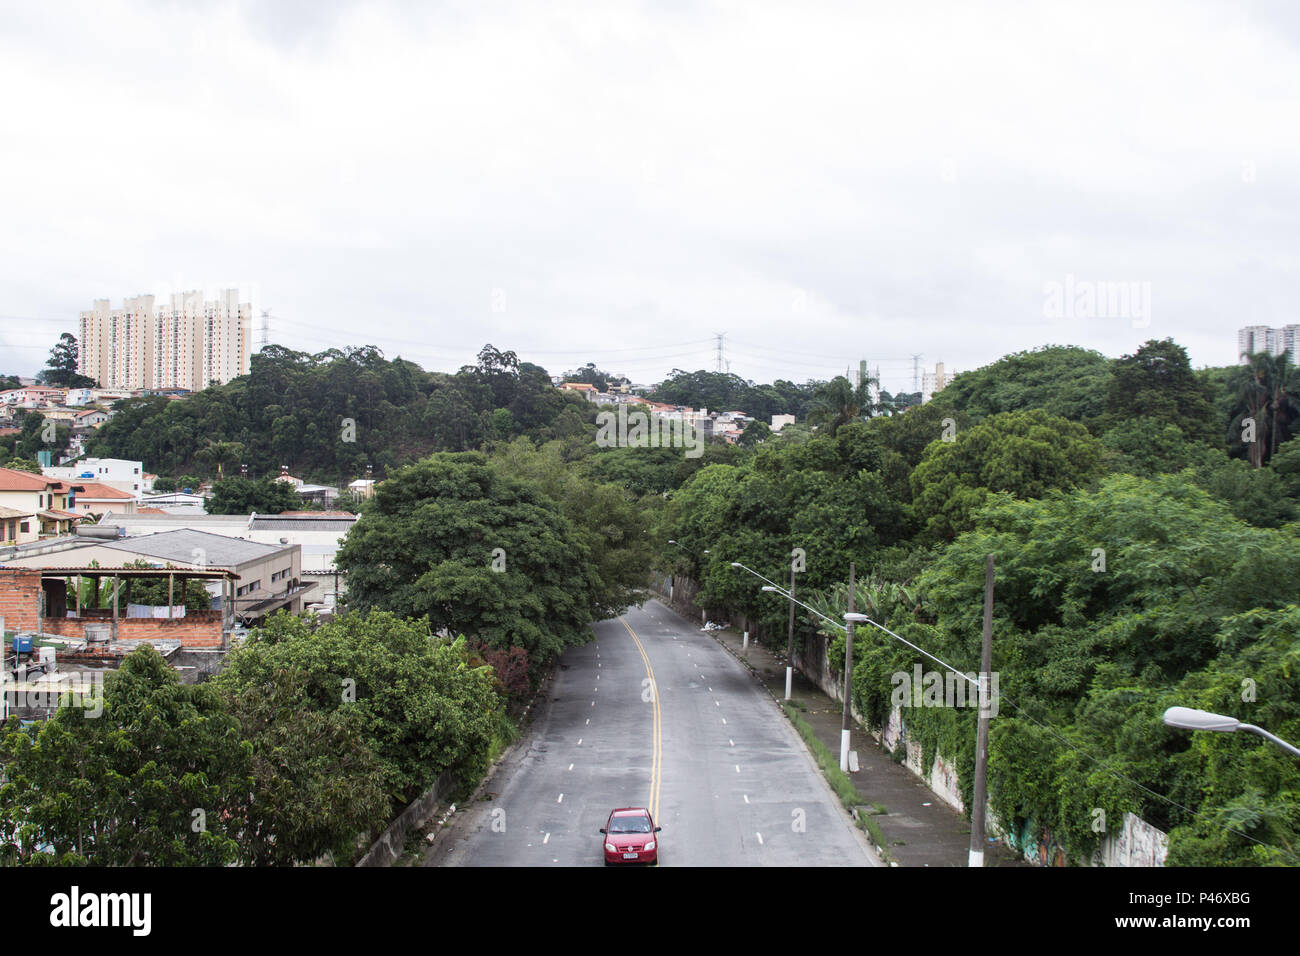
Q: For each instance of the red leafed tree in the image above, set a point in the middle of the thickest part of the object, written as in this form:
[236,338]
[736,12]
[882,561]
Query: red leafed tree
[510,665]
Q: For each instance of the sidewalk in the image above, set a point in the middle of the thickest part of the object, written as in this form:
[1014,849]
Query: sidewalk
[919,828]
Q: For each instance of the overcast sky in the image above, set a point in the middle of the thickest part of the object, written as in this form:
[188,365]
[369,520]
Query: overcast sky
[616,182]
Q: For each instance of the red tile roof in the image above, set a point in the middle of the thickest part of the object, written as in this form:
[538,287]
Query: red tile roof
[93,489]
[11,479]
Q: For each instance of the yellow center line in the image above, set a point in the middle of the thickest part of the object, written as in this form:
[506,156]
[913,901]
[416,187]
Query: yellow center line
[656,759]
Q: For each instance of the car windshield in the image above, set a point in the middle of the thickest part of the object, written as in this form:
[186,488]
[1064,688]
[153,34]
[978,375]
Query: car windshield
[629,825]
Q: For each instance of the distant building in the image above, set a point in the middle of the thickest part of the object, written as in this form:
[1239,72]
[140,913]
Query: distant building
[933,382]
[33,396]
[98,499]
[780,421]
[362,487]
[186,344]
[50,500]
[1254,339]
[119,473]
[589,392]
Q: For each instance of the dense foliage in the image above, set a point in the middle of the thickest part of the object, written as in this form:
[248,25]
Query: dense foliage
[327,416]
[515,551]
[242,496]
[725,392]
[1146,557]
[304,745]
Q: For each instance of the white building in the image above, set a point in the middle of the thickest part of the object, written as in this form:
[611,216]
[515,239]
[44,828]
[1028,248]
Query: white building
[187,343]
[933,382]
[117,473]
[1254,339]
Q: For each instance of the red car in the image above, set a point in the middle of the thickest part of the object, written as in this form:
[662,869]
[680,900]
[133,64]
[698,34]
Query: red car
[630,837]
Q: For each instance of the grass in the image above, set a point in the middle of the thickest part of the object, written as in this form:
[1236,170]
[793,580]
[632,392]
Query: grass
[838,779]
[868,823]
[503,735]
[840,782]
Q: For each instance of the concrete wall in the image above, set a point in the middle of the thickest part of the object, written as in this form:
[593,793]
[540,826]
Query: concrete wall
[1137,843]
[386,850]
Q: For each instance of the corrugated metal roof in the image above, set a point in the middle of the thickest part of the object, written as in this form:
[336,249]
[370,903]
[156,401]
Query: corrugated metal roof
[303,524]
[179,546]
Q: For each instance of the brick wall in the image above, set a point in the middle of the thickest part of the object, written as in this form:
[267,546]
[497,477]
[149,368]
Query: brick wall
[20,598]
[196,629]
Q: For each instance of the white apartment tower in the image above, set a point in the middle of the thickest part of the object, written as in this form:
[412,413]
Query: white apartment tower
[188,343]
[933,382]
[1254,339]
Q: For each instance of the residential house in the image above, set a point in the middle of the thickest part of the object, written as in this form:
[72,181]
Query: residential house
[51,500]
[91,418]
[18,526]
[32,396]
[589,392]
[251,579]
[119,473]
[98,499]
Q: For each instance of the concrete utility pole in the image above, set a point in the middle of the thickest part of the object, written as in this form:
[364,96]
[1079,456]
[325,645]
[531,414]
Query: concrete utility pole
[789,645]
[848,678]
[982,734]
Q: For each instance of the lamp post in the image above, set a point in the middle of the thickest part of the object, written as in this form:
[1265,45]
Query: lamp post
[772,588]
[852,618]
[1188,718]
[789,643]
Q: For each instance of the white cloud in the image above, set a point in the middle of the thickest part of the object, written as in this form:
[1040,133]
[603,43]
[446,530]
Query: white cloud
[634,176]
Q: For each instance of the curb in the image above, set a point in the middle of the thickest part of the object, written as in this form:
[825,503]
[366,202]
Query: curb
[444,818]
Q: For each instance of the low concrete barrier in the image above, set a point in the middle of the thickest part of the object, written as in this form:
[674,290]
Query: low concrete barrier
[389,846]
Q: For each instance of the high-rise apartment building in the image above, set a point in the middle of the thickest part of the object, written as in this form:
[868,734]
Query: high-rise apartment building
[1254,339]
[933,382]
[187,343]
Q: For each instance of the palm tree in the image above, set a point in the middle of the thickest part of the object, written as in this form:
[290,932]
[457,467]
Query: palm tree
[220,452]
[1284,387]
[1253,397]
[838,402]
[1268,393]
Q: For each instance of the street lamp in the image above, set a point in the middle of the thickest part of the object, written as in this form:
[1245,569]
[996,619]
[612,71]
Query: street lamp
[776,590]
[1188,718]
[789,645]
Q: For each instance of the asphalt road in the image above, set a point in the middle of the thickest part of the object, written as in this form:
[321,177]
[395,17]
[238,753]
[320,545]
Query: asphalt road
[654,713]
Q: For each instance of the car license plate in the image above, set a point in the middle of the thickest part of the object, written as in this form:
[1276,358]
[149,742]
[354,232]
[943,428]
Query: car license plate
[629,856]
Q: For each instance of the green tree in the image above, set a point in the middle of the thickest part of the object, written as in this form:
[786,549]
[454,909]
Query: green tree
[1062,380]
[61,369]
[317,784]
[387,682]
[149,782]
[839,402]
[454,540]
[220,453]
[1026,453]
[1156,385]
[241,496]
